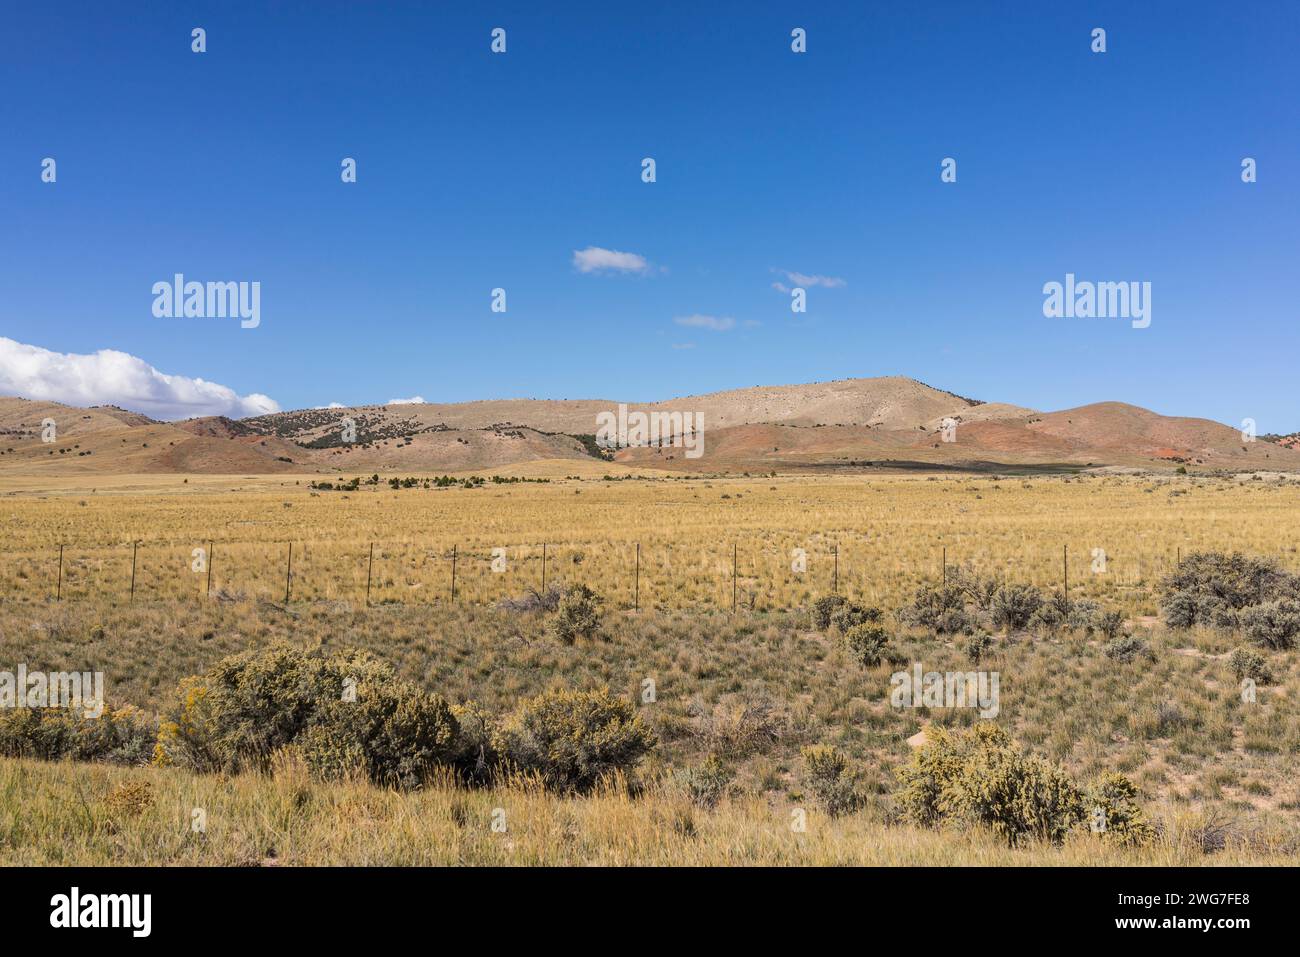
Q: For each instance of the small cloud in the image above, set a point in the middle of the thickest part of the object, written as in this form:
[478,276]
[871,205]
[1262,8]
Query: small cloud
[683,345]
[780,287]
[806,280]
[413,400]
[595,259]
[109,377]
[712,323]
[332,405]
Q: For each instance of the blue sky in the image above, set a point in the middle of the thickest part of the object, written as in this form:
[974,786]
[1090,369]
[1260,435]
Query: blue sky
[478,171]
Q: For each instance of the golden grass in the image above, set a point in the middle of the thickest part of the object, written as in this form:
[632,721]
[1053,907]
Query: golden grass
[888,533]
[1177,726]
[53,814]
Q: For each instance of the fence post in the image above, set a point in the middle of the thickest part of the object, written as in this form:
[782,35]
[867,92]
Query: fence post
[543,568]
[453,573]
[1065,569]
[733,577]
[835,578]
[369,571]
[58,594]
[636,587]
[288,574]
[135,547]
[211,555]
[945,565]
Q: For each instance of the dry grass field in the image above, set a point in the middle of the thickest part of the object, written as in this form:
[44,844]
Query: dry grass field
[749,689]
[879,536]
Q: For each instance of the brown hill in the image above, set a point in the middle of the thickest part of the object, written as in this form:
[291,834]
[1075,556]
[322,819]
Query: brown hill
[851,423]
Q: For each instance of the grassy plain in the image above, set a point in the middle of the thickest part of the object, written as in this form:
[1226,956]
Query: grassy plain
[878,536]
[750,688]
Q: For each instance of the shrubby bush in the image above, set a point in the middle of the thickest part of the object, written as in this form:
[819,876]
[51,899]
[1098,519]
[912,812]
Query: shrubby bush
[1111,625]
[979,778]
[1115,814]
[122,736]
[977,646]
[1084,615]
[866,644]
[1209,586]
[940,609]
[574,739]
[706,784]
[1013,605]
[1272,624]
[1250,664]
[577,615]
[850,615]
[827,775]
[1053,614]
[476,757]
[1127,648]
[237,715]
[822,610]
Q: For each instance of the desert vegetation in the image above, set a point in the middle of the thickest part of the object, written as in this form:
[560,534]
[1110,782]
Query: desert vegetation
[428,731]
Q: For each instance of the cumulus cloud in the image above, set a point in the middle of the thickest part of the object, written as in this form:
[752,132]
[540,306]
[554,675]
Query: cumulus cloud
[109,377]
[806,280]
[713,323]
[595,259]
[413,400]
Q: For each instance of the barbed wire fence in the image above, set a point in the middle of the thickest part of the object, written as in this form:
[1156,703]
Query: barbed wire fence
[739,578]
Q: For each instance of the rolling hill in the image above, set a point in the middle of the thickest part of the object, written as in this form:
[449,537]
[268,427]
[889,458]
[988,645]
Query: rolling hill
[888,422]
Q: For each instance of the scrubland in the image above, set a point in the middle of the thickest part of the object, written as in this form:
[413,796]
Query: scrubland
[737,700]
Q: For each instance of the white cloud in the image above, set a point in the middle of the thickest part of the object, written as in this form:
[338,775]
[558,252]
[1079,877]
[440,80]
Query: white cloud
[109,377]
[332,405]
[714,323]
[806,280]
[413,400]
[595,259]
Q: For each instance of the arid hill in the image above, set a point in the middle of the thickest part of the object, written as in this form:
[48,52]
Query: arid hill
[890,422]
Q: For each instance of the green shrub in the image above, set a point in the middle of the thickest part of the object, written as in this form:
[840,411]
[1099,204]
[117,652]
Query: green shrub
[977,646]
[1250,664]
[1207,584]
[573,739]
[1127,649]
[851,615]
[394,735]
[476,758]
[1083,616]
[346,713]
[1111,624]
[1013,606]
[1115,814]
[577,615]
[866,644]
[823,608]
[124,736]
[1272,624]
[978,778]
[940,609]
[827,775]
[706,783]
[1053,613]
